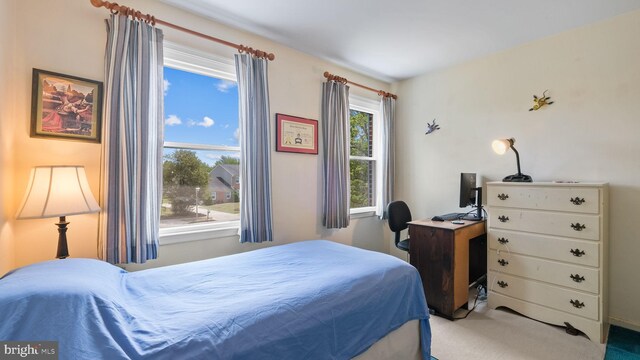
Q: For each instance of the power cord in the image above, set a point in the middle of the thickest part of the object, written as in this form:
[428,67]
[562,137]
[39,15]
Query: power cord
[475,209]
[481,289]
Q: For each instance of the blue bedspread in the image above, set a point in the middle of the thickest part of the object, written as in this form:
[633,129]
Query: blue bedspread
[308,300]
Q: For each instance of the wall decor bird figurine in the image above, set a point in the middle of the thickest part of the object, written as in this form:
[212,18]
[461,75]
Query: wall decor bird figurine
[431,127]
[539,102]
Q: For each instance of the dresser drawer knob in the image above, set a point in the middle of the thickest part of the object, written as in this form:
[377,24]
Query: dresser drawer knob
[503,240]
[503,218]
[578,226]
[577,252]
[577,278]
[503,262]
[503,196]
[502,284]
[577,304]
[577,201]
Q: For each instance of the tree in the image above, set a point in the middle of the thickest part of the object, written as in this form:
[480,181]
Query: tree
[229,160]
[360,170]
[182,172]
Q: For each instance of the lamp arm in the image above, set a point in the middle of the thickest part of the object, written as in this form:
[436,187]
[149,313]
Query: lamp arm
[517,158]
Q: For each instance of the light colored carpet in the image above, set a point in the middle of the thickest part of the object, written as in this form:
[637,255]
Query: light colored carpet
[504,335]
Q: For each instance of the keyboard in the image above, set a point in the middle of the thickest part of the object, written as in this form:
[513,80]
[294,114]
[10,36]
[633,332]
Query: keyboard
[452,216]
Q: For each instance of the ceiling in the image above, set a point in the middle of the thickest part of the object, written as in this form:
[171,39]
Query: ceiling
[395,40]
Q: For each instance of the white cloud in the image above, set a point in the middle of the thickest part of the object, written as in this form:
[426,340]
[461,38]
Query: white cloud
[226,126]
[225,85]
[166,86]
[206,122]
[172,120]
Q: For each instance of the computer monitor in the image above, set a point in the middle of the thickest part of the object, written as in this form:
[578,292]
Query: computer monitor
[470,195]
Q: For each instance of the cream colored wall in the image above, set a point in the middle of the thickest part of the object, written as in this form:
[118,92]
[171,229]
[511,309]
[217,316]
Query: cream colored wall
[589,133]
[57,36]
[7,29]
[69,36]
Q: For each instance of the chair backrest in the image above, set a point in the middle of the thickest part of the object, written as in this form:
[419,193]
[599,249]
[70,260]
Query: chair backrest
[399,216]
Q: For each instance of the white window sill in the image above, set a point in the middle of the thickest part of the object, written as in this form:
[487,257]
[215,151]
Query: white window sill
[183,234]
[198,232]
[359,213]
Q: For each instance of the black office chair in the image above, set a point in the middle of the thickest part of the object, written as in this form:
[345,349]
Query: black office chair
[399,216]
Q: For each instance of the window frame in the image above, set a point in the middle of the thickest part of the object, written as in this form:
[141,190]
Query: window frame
[372,107]
[202,63]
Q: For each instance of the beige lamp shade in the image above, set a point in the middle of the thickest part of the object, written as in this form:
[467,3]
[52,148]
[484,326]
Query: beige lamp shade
[57,191]
[502,145]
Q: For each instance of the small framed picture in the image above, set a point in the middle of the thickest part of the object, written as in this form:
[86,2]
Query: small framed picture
[65,106]
[295,134]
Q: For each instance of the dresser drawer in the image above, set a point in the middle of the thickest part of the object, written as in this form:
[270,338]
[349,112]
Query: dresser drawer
[572,199]
[580,226]
[581,252]
[566,300]
[572,276]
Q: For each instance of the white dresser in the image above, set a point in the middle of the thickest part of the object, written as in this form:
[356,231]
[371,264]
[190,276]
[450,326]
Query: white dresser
[547,252]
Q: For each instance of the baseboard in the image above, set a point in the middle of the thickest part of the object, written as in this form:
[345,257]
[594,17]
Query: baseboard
[624,323]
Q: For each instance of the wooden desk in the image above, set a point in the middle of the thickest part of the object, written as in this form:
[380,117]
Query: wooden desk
[440,252]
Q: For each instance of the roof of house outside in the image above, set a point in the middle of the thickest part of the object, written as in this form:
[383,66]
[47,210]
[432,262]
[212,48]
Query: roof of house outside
[216,185]
[231,168]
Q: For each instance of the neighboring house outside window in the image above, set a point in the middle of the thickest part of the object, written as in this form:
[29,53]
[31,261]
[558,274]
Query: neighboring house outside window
[223,179]
[201,148]
[364,119]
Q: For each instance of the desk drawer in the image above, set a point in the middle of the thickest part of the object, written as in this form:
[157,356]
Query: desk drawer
[581,252]
[579,226]
[566,300]
[573,199]
[572,276]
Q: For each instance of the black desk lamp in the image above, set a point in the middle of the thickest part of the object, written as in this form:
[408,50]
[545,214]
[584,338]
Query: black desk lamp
[500,147]
[58,191]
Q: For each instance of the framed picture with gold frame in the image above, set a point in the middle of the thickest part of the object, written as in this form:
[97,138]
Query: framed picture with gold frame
[65,107]
[296,134]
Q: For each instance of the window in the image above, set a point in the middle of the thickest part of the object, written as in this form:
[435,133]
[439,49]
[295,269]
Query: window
[364,120]
[201,149]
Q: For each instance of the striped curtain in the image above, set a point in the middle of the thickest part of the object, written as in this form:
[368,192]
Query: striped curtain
[386,167]
[132,151]
[255,151]
[336,141]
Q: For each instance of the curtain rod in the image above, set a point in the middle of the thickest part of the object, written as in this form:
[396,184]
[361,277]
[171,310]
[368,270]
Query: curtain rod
[332,77]
[127,11]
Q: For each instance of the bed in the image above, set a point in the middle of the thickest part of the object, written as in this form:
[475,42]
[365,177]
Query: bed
[313,299]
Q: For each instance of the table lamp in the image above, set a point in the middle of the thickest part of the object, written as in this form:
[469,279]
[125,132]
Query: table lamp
[58,191]
[500,147]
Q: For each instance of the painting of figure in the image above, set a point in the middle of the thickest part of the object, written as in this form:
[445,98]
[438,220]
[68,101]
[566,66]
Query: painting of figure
[65,106]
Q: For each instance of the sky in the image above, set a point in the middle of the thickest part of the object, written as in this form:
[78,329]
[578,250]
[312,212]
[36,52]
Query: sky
[201,110]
